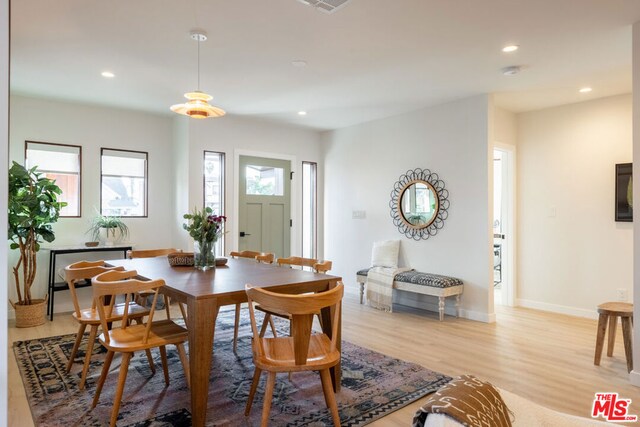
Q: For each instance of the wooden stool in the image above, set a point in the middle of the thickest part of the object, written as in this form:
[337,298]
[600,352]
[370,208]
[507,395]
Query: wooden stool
[610,311]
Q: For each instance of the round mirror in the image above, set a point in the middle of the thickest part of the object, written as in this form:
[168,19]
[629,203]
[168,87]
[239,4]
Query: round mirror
[418,204]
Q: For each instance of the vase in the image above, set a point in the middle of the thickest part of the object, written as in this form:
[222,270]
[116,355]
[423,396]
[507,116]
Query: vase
[204,255]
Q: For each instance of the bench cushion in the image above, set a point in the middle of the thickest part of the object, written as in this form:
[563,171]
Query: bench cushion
[424,279]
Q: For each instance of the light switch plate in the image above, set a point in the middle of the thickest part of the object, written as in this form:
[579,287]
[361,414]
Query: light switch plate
[359,214]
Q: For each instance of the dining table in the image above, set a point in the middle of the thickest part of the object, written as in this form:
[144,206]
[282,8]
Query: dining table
[204,292]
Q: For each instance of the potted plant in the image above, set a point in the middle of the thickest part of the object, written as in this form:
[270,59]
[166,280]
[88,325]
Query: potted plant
[111,225]
[33,208]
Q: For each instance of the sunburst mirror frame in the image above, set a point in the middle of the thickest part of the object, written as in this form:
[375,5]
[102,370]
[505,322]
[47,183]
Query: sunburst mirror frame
[433,181]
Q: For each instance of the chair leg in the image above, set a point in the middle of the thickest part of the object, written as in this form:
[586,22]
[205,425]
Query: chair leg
[76,345]
[185,363]
[103,377]
[613,323]
[122,378]
[87,358]
[236,326]
[252,391]
[329,397]
[150,360]
[602,328]
[165,365]
[626,334]
[268,396]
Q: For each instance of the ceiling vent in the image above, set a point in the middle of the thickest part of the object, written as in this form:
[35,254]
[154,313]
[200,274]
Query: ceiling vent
[326,6]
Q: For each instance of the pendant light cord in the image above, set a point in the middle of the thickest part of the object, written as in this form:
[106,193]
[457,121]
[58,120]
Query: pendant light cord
[198,63]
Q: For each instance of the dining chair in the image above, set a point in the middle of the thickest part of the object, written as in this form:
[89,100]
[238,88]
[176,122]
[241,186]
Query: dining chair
[153,253]
[317,267]
[303,350]
[266,258]
[128,339]
[85,270]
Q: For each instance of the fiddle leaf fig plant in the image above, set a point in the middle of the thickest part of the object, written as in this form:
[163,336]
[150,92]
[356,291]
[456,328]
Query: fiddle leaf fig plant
[33,208]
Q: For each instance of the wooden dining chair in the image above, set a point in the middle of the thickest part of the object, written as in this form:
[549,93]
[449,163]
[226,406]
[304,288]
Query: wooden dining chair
[85,270]
[266,258]
[317,267]
[303,350]
[153,253]
[127,339]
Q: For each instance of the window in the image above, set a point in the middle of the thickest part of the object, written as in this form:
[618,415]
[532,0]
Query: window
[264,181]
[62,163]
[123,189]
[214,187]
[309,209]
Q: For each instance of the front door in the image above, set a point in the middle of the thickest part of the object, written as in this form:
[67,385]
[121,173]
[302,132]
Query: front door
[265,205]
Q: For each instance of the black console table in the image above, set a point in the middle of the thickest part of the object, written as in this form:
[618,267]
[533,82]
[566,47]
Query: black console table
[63,250]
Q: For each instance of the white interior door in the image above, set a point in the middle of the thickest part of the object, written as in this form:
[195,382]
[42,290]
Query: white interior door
[265,205]
[504,226]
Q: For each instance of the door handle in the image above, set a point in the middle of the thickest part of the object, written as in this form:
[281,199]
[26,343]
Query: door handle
[242,234]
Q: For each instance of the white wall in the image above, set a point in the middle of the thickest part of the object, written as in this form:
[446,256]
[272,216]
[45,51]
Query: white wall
[506,127]
[363,162]
[635,374]
[94,127]
[574,259]
[234,135]
[4,151]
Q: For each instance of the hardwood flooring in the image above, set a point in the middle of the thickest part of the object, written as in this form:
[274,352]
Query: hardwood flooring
[545,357]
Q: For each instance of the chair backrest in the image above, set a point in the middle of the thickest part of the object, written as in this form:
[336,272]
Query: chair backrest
[266,258]
[115,283]
[301,308]
[151,253]
[84,270]
[322,266]
[297,261]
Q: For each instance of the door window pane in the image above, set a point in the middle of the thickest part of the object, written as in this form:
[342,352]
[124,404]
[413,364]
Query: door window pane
[309,210]
[124,183]
[264,181]
[62,164]
[213,169]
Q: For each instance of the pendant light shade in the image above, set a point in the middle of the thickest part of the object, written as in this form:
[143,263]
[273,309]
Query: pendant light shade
[197,105]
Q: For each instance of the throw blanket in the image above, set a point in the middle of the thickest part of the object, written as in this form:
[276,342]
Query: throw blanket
[469,401]
[380,287]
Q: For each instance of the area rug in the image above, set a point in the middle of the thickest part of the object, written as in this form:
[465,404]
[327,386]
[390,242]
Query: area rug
[373,385]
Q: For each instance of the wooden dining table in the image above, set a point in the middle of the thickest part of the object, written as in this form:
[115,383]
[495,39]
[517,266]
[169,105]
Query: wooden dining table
[204,292]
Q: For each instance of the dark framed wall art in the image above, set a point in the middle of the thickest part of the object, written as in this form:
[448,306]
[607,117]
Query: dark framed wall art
[624,192]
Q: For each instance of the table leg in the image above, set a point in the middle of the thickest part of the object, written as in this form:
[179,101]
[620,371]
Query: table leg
[201,318]
[52,281]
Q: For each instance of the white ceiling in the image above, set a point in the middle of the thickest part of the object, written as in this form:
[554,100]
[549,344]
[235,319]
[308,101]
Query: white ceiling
[370,59]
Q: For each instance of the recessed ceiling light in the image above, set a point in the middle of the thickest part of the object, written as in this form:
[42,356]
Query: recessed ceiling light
[302,113]
[510,48]
[108,74]
[585,90]
[300,63]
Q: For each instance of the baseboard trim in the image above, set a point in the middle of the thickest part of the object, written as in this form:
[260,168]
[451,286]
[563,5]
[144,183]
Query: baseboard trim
[634,378]
[556,308]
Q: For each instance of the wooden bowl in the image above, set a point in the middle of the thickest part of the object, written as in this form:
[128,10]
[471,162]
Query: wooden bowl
[221,261]
[91,244]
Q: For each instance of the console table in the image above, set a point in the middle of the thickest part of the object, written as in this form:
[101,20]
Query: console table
[54,286]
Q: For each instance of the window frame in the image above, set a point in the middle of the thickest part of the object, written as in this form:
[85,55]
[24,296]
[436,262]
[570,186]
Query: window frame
[315,212]
[223,188]
[146,179]
[79,147]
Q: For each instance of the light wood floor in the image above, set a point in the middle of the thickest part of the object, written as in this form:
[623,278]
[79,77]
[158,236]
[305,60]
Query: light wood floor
[545,357]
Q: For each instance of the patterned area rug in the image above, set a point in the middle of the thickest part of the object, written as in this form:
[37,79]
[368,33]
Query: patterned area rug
[373,385]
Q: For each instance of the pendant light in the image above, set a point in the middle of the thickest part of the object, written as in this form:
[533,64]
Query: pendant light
[197,105]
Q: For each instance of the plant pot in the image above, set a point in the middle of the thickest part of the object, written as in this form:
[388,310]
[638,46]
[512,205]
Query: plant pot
[34,314]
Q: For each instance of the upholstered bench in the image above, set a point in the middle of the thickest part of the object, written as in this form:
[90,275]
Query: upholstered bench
[424,284]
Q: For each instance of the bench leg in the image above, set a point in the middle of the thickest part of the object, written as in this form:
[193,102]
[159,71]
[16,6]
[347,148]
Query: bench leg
[361,291]
[458,305]
[441,307]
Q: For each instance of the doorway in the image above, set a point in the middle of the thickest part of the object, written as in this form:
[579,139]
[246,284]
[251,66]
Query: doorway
[504,225]
[264,205]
